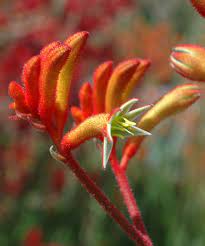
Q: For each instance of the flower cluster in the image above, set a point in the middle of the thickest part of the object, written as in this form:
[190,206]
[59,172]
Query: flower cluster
[106,112]
[43,98]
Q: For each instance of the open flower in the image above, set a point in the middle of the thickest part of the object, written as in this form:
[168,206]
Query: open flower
[104,126]
[121,124]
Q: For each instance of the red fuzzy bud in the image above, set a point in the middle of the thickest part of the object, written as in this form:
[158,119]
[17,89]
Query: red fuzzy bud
[18,94]
[117,83]
[86,97]
[136,78]
[92,127]
[189,61]
[52,60]
[30,77]
[175,101]
[101,77]
[76,42]
[77,114]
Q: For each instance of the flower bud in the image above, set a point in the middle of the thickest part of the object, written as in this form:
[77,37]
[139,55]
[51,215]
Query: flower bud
[199,5]
[101,77]
[173,102]
[77,114]
[17,93]
[90,128]
[189,61]
[86,97]
[117,83]
[30,77]
[136,78]
[76,42]
[52,61]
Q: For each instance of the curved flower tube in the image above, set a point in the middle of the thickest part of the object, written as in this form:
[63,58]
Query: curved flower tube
[175,101]
[189,61]
[104,126]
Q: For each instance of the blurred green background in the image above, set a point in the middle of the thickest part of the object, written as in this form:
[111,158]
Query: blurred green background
[41,203]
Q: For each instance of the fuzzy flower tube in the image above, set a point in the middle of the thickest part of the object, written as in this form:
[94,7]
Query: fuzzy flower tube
[106,112]
[189,61]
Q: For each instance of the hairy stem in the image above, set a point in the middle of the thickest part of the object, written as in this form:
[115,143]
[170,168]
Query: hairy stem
[128,196]
[104,202]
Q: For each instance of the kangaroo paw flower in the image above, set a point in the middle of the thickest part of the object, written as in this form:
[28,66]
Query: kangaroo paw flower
[136,78]
[171,103]
[17,93]
[52,61]
[86,98]
[104,126]
[76,42]
[77,114]
[101,77]
[30,78]
[189,61]
[117,83]
[121,124]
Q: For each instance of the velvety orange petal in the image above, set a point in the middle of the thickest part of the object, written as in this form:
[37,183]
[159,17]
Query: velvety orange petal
[52,60]
[92,127]
[86,99]
[76,42]
[135,80]
[77,114]
[17,93]
[30,77]
[117,83]
[101,77]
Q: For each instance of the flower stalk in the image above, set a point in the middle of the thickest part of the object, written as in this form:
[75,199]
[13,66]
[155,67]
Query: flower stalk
[105,113]
[127,194]
[104,202]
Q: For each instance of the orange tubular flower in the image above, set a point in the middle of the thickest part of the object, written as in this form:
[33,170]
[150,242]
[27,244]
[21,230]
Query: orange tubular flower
[86,96]
[105,112]
[77,114]
[136,78]
[171,103]
[18,94]
[109,118]
[105,126]
[118,82]
[43,101]
[189,61]
[76,42]
[30,76]
[101,77]
[199,5]
[52,61]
